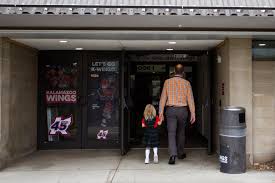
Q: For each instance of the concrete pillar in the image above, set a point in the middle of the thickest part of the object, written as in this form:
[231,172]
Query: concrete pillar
[4,99]
[240,84]
[233,72]
[18,97]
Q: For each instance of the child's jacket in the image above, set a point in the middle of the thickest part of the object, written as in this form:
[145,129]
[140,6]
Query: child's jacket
[151,132]
[155,125]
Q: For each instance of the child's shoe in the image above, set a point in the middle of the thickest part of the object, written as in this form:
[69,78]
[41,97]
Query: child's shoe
[146,161]
[156,159]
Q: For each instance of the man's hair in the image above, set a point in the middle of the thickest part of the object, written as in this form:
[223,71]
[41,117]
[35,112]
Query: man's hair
[179,69]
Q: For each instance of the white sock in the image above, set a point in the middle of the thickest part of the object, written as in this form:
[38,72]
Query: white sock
[155,149]
[147,153]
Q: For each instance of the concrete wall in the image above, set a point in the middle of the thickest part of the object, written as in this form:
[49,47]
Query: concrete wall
[18,109]
[235,72]
[264,111]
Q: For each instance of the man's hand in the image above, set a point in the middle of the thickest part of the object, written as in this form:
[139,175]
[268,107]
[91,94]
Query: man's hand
[193,118]
[161,118]
[159,123]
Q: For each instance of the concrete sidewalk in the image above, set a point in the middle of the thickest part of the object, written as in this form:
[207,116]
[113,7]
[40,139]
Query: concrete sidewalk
[96,166]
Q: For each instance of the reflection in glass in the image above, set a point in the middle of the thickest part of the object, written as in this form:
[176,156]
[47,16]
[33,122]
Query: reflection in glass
[61,76]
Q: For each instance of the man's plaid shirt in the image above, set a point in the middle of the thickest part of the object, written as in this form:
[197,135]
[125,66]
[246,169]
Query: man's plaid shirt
[177,92]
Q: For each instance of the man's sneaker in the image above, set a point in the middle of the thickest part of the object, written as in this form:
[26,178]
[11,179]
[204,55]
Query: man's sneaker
[146,160]
[156,159]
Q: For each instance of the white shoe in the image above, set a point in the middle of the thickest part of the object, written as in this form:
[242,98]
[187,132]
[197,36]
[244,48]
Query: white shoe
[146,161]
[156,159]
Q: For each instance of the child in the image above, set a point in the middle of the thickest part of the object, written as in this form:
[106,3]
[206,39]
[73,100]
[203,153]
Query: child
[150,122]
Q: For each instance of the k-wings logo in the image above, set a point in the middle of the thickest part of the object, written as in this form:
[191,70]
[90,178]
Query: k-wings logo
[60,125]
[102,134]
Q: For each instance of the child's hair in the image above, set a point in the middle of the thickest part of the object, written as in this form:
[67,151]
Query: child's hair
[149,112]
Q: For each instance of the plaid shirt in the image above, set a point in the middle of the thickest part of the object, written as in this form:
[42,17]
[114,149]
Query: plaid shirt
[177,92]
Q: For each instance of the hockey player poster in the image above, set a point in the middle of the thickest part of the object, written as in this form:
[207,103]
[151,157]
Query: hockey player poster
[103,101]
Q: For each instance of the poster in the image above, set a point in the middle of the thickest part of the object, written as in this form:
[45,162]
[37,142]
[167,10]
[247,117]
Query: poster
[61,97]
[103,100]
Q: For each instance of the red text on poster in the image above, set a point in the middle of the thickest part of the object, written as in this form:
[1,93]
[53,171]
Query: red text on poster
[61,97]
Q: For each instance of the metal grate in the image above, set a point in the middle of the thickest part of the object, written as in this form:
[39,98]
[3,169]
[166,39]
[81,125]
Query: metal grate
[140,7]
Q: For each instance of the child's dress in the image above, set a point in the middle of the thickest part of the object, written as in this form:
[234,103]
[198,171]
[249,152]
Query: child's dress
[151,133]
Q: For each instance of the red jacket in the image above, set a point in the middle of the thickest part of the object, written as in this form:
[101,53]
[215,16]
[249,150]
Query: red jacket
[155,124]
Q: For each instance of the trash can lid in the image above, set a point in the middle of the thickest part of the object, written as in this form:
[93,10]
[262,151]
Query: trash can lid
[233,108]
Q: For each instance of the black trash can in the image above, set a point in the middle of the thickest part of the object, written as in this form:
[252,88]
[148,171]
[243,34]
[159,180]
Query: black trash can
[233,140]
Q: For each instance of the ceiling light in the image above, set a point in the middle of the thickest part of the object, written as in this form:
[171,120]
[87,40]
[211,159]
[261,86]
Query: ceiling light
[172,42]
[262,44]
[78,48]
[169,49]
[63,41]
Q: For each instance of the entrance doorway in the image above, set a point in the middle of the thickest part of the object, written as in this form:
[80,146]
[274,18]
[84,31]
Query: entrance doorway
[94,99]
[146,75]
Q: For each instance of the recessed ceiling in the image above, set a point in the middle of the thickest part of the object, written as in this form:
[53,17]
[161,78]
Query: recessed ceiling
[91,44]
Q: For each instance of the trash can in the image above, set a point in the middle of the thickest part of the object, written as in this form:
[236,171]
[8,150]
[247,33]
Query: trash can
[233,140]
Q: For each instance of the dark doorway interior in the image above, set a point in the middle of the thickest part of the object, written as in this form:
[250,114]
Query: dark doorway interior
[146,80]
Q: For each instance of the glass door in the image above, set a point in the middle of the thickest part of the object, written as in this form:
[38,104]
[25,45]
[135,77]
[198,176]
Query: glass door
[102,112]
[59,124]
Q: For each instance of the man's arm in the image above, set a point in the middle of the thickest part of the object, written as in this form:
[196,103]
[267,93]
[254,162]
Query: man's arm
[191,103]
[163,100]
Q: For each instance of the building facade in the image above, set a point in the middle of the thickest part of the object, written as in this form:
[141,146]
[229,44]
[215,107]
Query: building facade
[77,74]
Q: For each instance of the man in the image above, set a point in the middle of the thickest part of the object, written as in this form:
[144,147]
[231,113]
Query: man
[177,96]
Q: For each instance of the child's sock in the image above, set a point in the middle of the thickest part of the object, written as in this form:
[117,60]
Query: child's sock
[155,151]
[156,159]
[147,154]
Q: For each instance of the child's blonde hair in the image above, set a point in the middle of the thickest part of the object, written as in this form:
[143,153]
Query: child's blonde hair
[149,112]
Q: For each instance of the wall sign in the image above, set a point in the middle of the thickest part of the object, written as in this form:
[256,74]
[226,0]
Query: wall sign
[151,68]
[222,88]
[108,66]
[60,126]
[61,97]
[163,57]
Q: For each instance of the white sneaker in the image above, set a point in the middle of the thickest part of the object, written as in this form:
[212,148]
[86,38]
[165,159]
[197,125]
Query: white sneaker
[156,159]
[146,161]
